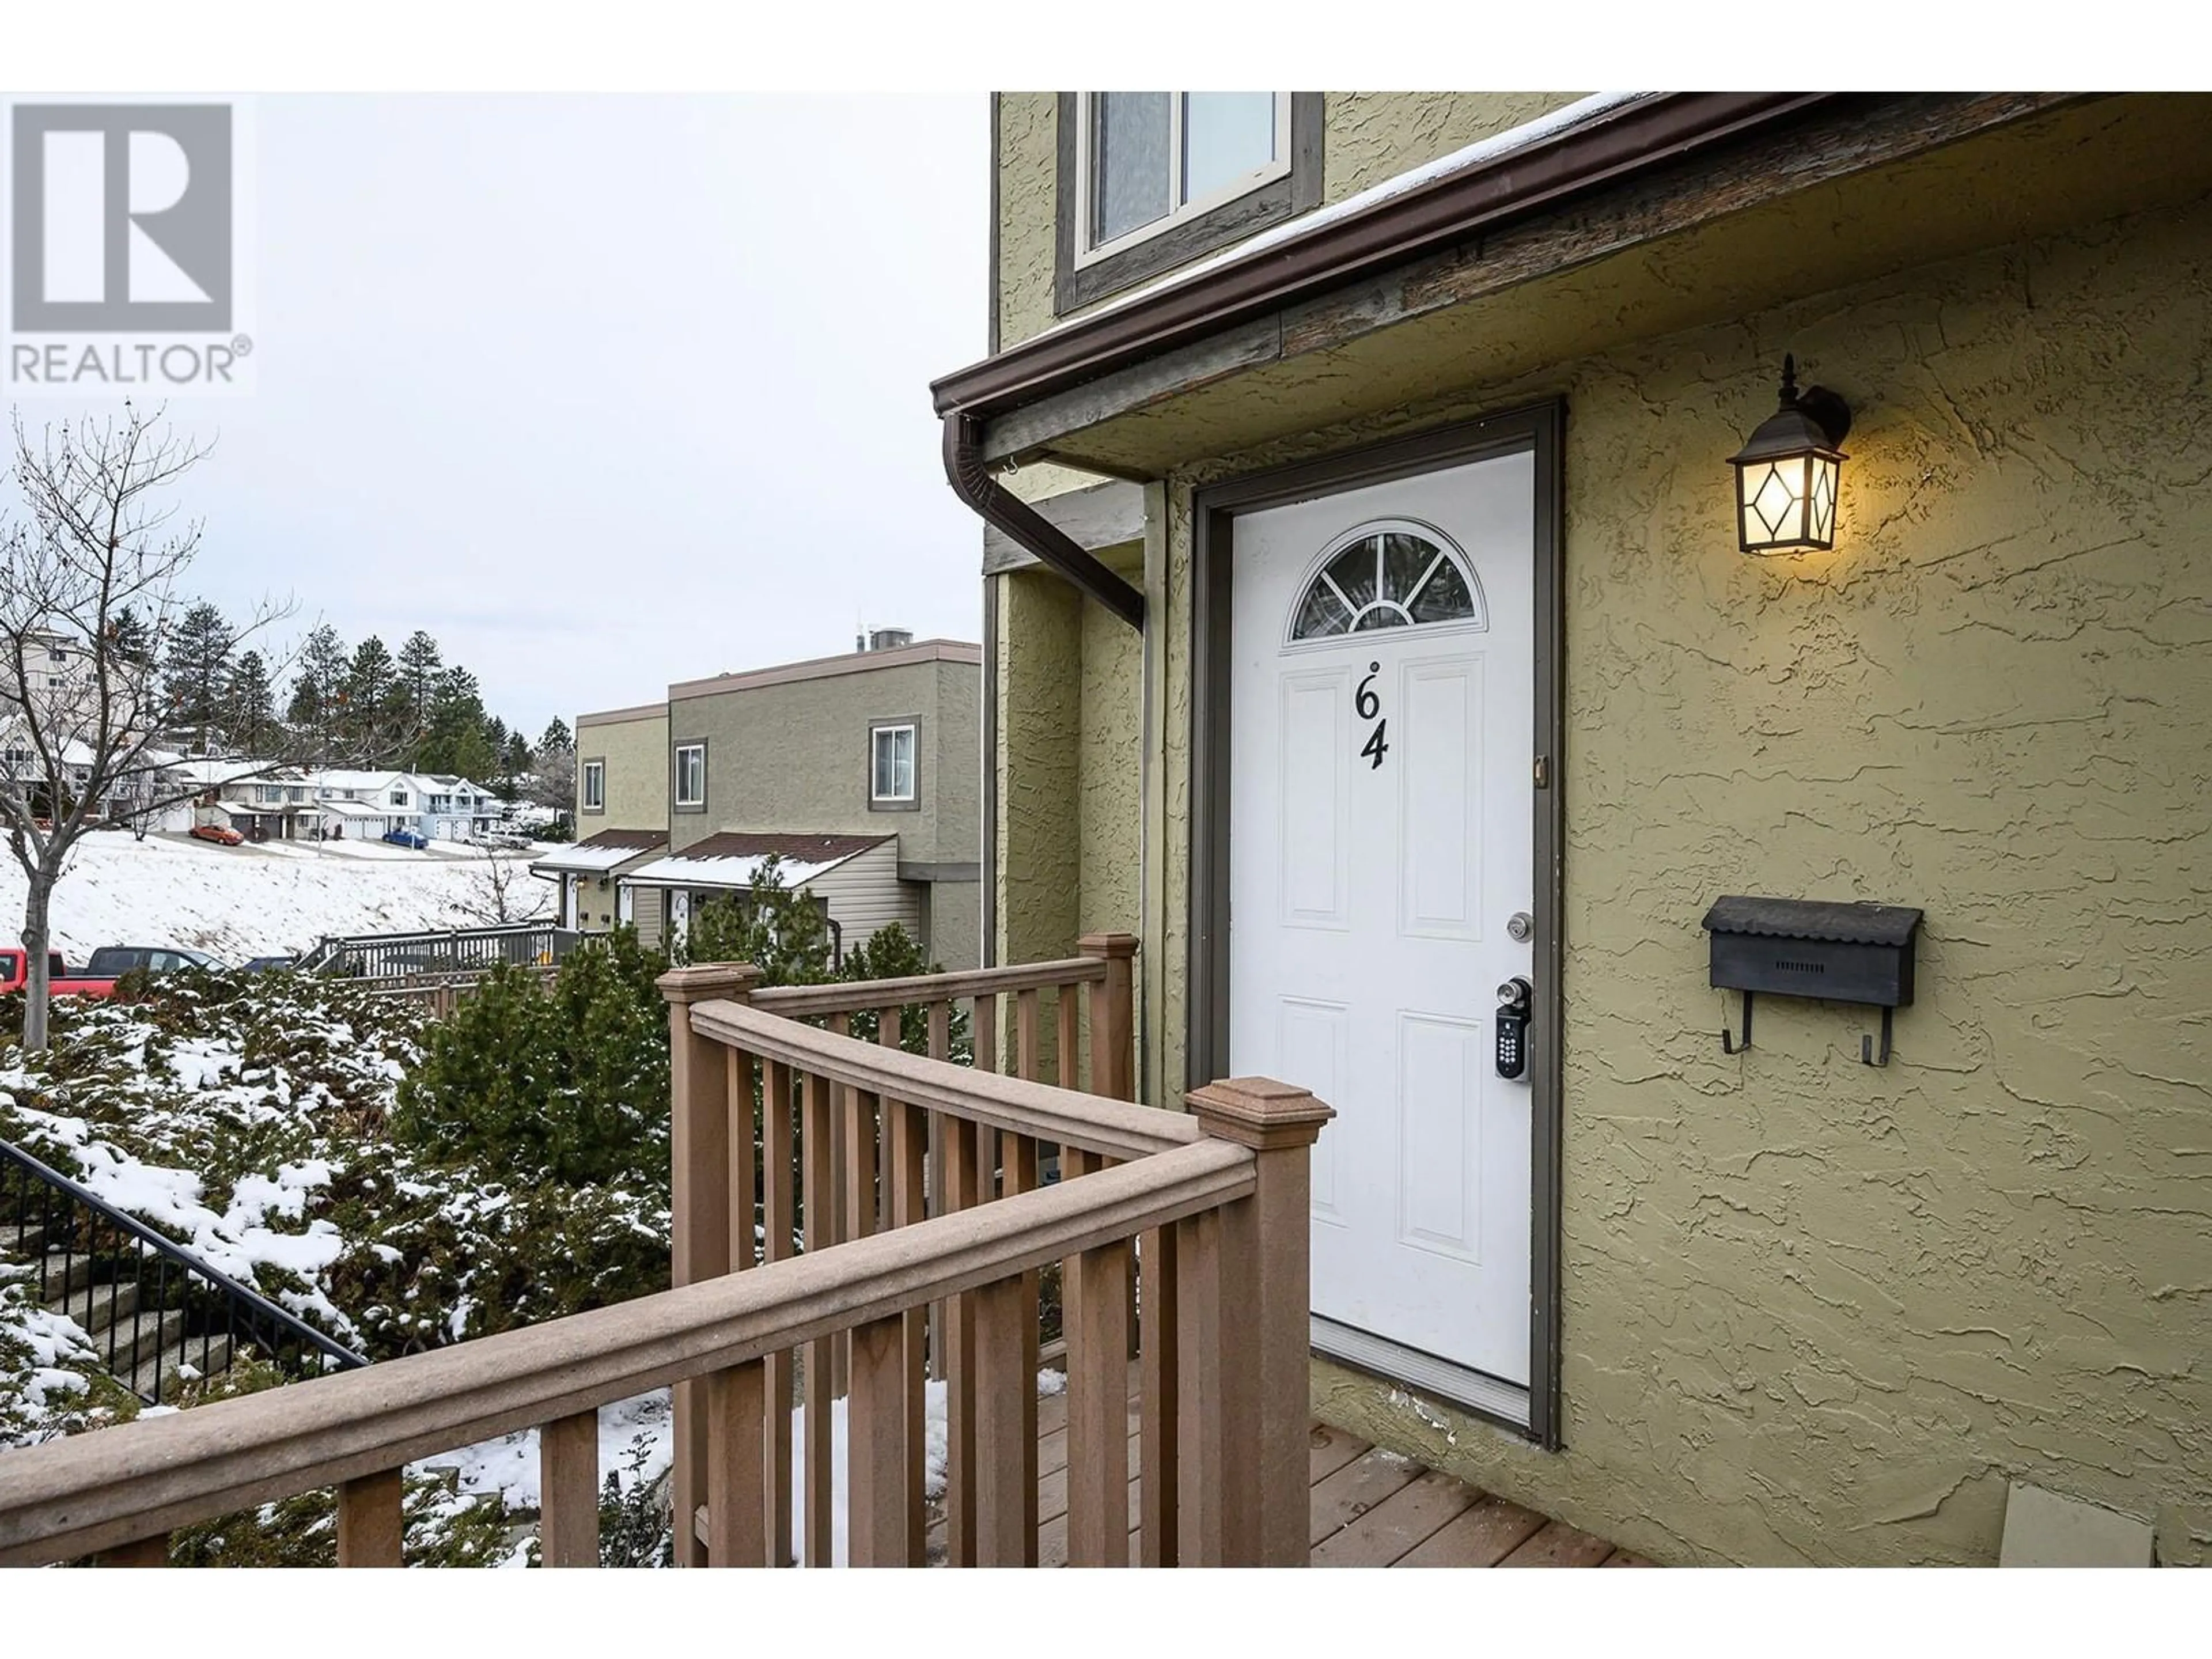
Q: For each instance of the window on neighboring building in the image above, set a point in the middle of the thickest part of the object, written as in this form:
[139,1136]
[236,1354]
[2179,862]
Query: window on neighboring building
[399,797]
[891,764]
[595,786]
[1150,180]
[691,775]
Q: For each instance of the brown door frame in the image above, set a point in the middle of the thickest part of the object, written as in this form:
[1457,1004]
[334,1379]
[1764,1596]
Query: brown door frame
[1536,429]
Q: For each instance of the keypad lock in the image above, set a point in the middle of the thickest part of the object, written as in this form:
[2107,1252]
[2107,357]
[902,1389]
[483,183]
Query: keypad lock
[1513,999]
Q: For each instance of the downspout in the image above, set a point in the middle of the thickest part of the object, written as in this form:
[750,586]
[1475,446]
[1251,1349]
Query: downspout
[997,506]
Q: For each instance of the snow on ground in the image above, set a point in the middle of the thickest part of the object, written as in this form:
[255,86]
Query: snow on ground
[275,898]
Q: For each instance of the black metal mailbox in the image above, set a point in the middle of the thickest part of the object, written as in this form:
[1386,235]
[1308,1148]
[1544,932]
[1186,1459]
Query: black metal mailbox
[1843,952]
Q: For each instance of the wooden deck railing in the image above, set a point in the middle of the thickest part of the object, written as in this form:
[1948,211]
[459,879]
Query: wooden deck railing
[1209,1210]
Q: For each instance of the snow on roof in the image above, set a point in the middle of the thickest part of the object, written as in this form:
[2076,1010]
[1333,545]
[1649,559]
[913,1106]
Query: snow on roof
[607,850]
[340,777]
[1527,134]
[735,861]
[352,809]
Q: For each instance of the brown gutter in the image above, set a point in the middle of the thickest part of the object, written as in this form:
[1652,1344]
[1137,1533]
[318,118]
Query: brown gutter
[998,506]
[1426,219]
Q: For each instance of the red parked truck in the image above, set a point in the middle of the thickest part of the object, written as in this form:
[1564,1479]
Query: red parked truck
[15,973]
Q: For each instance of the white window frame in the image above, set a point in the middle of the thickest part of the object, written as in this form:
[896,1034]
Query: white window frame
[876,735]
[682,800]
[1178,213]
[595,786]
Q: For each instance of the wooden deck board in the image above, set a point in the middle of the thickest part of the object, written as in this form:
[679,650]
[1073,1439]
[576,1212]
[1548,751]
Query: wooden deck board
[1356,1488]
[1560,1545]
[1394,1526]
[1333,1448]
[1481,1535]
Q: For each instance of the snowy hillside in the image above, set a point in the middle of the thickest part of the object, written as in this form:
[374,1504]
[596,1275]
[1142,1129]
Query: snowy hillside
[240,901]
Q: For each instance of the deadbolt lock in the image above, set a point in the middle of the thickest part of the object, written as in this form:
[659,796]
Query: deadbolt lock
[1519,925]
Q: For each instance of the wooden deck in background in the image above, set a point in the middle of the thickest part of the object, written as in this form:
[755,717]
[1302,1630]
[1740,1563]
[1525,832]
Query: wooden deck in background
[1372,1508]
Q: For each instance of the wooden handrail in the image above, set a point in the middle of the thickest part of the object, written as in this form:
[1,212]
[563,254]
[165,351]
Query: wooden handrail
[71,1498]
[851,997]
[1088,1123]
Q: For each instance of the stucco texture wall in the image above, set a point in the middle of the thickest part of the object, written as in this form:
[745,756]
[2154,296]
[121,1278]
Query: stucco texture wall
[1816,1311]
[636,753]
[1370,137]
[795,756]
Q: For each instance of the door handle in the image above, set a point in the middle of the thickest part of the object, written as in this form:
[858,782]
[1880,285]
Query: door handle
[1514,998]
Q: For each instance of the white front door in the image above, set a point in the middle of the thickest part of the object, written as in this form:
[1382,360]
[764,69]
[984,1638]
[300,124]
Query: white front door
[626,905]
[572,893]
[1381,850]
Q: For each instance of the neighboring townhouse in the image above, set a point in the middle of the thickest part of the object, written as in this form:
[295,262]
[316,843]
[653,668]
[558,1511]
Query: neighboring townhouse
[862,769]
[622,821]
[1396,671]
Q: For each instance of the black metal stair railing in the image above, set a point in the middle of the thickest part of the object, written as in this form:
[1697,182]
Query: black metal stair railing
[151,1307]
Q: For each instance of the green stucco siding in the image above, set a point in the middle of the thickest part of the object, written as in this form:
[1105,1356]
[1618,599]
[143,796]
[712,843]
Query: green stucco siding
[1816,1311]
[1370,137]
[636,755]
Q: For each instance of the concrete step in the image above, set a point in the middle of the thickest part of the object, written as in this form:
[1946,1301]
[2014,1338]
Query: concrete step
[209,1355]
[136,1341]
[24,1241]
[101,1305]
[68,1271]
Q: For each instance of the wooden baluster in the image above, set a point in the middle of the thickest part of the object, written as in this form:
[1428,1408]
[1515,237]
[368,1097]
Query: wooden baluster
[882,1533]
[1025,1036]
[966,1147]
[369,1525]
[816,1160]
[860,1211]
[1113,1059]
[1158,1351]
[744,1178]
[1020,1155]
[1203,1343]
[1005,1330]
[1265,1295]
[569,1491]
[938,1028]
[1064,1007]
[906,1135]
[1098,1408]
[778,1153]
[984,1028]
[737,1468]
[841,1161]
[699,1176]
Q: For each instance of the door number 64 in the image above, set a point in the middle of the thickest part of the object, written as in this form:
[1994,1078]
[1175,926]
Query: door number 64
[1368,705]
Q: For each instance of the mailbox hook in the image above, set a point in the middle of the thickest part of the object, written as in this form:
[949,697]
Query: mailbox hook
[1866,1043]
[1730,1046]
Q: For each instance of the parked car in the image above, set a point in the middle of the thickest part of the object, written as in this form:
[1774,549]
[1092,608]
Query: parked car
[113,961]
[15,974]
[222,834]
[263,965]
[414,838]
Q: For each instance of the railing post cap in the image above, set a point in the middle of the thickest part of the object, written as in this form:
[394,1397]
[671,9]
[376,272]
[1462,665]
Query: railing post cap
[707,982]
[1108,944]
[1259,1112]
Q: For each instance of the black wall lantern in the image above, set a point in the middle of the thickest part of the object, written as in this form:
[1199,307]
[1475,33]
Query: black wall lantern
[1786,475]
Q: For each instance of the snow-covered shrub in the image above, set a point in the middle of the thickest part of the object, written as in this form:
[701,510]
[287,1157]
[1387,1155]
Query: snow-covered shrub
[51,1380]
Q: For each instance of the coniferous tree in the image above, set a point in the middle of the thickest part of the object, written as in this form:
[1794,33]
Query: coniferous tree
[365,700]
[317,690]
[557,739]
[195,671]
[420,664]
[251,707]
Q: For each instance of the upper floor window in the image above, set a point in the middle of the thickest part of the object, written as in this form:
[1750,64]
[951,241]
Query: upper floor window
[595,786]
[399,797]
[691,775]
[1150,180]
[891,779]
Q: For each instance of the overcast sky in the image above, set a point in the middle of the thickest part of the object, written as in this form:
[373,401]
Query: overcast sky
[603,392]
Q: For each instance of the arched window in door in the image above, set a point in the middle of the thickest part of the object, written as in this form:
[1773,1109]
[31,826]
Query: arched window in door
[1393,574]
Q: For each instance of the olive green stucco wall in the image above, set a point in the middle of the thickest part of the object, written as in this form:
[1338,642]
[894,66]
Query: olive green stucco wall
[1370,137]
[636,753]
[1816,1311]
